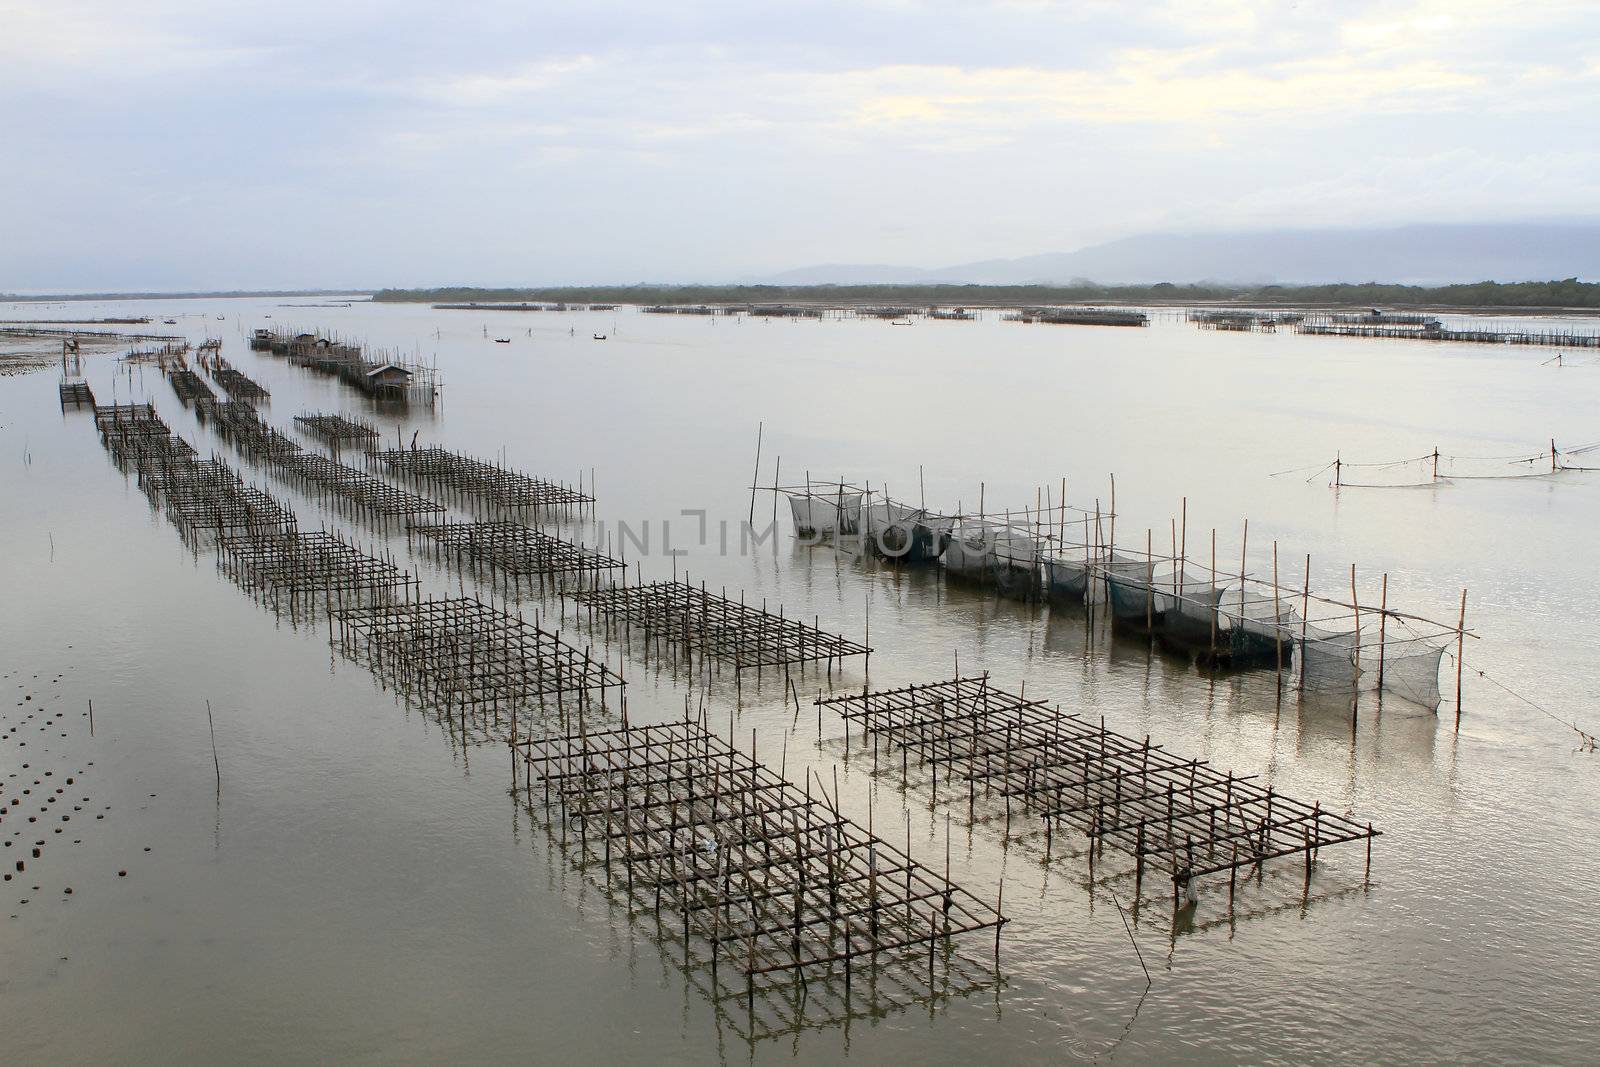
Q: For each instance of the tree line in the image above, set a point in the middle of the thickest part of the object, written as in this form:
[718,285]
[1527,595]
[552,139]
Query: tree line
[1563,293]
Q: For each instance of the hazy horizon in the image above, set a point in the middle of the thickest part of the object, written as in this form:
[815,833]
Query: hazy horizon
[187,147]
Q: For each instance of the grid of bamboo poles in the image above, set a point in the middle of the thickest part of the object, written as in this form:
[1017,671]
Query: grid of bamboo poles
[764,878]
[697,621]
[462,654]
[516,554]
[1182,816]
[338,428]
[478,480]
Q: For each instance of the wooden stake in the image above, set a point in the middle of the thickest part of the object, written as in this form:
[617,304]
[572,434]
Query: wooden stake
[218,764]
[1277,618]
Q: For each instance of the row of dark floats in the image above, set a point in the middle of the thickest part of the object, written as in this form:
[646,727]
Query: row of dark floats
[1056,315]
[782,905]
[1372,322]
[1376,322]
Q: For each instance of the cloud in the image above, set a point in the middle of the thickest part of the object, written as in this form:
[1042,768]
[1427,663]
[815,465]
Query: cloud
[1142,88]
[1459,183]
[520,85]
[73,49]
[785,134]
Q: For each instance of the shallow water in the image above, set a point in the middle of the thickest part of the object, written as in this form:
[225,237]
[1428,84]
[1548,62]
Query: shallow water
[365,889]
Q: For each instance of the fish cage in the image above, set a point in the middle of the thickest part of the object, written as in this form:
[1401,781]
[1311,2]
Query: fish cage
[904,534]
[995,553]
[824,512]
[1315,641]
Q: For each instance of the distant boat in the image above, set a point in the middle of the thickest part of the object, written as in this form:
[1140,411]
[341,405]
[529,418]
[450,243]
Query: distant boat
[170,322]
[901,322]
[502,340]
[599,337]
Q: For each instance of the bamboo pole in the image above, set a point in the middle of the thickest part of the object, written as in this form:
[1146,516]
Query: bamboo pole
[1355,600]
[1461,643]
[1305,619]
[1383,621]
[1277,619]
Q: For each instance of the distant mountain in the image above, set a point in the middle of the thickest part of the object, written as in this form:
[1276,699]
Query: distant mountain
[1432,254]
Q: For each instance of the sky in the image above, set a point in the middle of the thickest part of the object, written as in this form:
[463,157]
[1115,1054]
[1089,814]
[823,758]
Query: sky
[198,145]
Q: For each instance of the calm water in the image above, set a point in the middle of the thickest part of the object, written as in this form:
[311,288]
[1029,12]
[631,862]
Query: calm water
[365,890]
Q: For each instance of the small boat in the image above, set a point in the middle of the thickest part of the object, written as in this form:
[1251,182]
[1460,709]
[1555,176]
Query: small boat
[900,322]
[599,337]
[502,340]
[169,322]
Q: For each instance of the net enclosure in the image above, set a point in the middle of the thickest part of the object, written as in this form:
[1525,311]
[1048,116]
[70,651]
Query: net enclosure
[1232,619]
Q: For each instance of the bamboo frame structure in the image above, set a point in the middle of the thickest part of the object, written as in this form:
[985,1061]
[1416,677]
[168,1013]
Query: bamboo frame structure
[77,393]
[318,475]
[291,570]
[516,553]
[479,481]
[326,477]
[225,510]
[353,364]
[1439,332]
[461,653]
[695,620]
[127,415]
[238,385]
[190,387]
[258,541]
[1181,816]
[764,879]
[250,434]
[337,429]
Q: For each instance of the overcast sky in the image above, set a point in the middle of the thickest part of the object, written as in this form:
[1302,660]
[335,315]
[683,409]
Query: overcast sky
[168,143]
